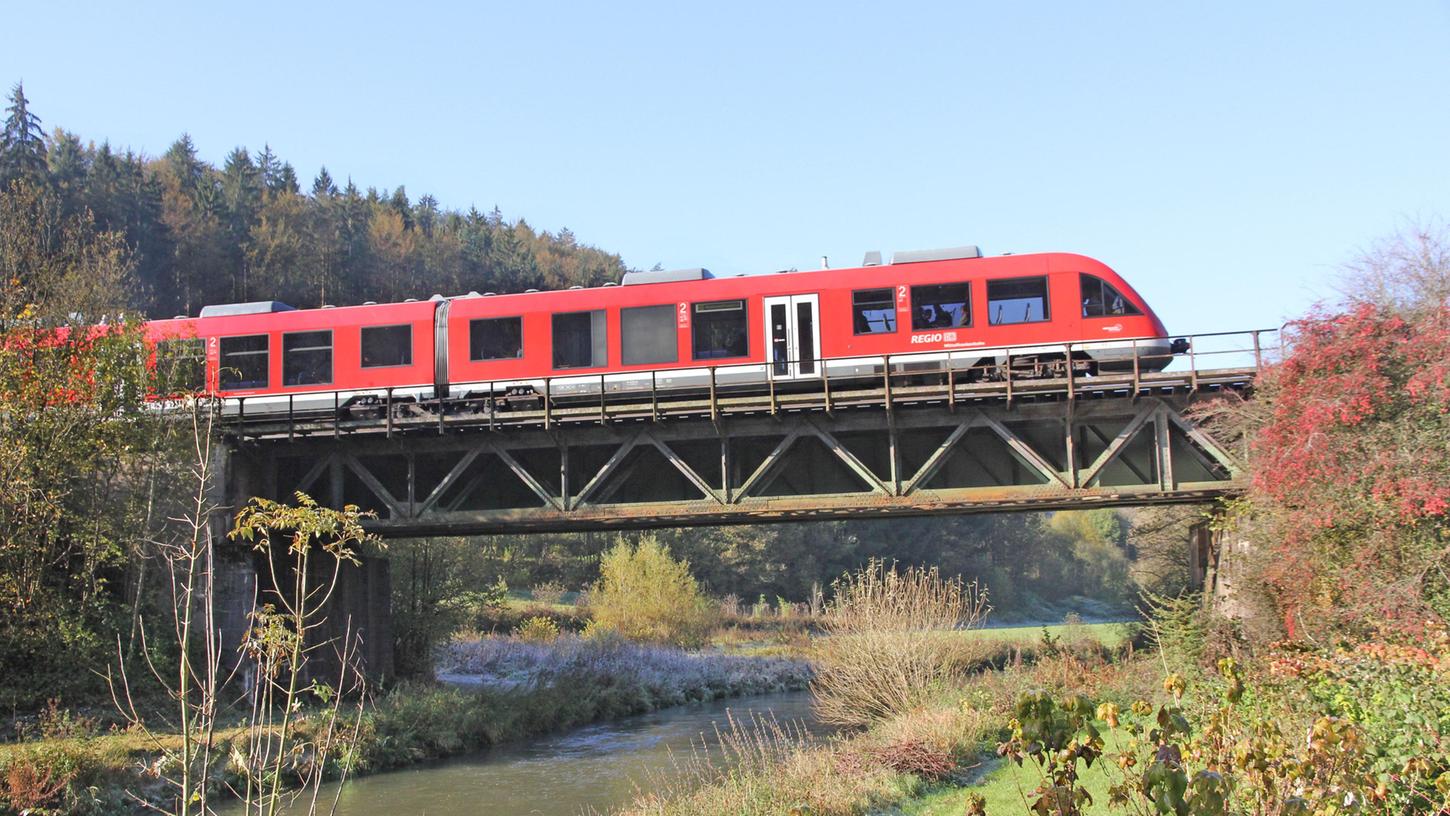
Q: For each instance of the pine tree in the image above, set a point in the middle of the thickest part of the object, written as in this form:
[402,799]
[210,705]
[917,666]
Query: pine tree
[287,180]
[103,187]
[241,189]
[242,199]
[267,168]
[69,165]
[400,205]
[181,161]
[322,186]
[426,214]
[22,143]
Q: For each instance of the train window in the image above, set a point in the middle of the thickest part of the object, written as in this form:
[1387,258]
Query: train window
[719,330]
[1017,300]
[384,346]
[307,358]
[579,340]
[648,335]
[181,366]
[941,306]
[495,338]
[244,362]
[873,311]
[1100,299]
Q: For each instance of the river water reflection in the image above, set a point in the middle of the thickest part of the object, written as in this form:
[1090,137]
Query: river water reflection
[596,766]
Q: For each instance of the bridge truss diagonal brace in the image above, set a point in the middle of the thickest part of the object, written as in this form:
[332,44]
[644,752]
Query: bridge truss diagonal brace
[1146,412]
[1210,446]
[684,468]
[609,468]
[316,471]
[557,503]
[766,466]
[1025,452]
[856,465]
[434,497]
[372,483]
[449,480]
[943,452]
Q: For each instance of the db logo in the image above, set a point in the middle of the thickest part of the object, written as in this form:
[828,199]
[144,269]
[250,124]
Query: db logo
[934,337]
[1116,327]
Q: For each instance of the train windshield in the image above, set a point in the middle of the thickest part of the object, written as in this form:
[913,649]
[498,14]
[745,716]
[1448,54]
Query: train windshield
[1100,299]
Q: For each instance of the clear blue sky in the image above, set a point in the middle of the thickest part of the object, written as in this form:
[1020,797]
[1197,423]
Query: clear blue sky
[1225,157]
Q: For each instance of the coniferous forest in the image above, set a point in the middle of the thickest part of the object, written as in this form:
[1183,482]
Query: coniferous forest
[252,230]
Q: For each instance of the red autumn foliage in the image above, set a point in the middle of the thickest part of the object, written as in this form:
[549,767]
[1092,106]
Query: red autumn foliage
[1352,464]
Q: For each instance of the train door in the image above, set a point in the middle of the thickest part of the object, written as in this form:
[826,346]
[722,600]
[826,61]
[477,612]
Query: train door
[793,336]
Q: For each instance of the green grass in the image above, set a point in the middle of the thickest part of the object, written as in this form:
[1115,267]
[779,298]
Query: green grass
[1004,786]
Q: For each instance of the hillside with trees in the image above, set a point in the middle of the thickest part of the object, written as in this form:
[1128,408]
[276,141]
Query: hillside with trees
[252,230]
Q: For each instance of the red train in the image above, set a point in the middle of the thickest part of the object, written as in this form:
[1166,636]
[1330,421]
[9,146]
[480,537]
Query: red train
[675,330]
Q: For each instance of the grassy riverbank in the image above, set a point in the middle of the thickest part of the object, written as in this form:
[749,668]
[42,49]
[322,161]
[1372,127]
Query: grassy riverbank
[504,690]
[1318,726]
[915,759]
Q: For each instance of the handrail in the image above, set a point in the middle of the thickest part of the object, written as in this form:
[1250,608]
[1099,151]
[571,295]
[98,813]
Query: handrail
[947,362]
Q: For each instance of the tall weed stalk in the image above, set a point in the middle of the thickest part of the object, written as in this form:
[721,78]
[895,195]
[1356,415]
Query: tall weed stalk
[890,635]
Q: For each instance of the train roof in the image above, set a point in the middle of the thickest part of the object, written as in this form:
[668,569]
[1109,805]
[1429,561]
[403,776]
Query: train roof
[872,262]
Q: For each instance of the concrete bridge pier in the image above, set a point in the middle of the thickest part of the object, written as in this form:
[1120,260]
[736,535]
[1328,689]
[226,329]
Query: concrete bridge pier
[1218,555]
[359,606]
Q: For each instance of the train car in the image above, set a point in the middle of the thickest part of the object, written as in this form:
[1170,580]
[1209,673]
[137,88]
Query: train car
[678,331]
[924,311]
[268,358]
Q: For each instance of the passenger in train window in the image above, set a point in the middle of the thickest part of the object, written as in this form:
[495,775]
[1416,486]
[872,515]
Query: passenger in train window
[1101,299]
[940,306]
[873,311]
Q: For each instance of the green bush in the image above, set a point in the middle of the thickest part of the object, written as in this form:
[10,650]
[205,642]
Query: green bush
[537,629]
[645,594]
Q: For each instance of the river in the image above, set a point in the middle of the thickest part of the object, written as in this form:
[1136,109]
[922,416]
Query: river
[597,766]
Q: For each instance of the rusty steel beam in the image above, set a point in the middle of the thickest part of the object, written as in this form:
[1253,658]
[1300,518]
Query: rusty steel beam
[799,508]
[977,457]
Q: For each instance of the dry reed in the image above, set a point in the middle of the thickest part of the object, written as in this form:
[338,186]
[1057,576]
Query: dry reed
[887,640]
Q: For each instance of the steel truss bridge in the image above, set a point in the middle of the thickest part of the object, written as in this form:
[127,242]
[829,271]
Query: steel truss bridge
[905,443]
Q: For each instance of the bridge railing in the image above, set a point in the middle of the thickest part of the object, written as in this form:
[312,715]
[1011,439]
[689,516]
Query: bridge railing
[1249,350]
[1211,360]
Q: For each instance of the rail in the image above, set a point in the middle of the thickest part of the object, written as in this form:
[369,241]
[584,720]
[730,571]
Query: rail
[1034,372]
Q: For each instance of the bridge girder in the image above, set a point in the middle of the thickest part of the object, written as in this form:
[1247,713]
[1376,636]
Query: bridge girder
[1114,450]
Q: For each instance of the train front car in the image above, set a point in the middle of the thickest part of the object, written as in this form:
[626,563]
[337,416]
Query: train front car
[1117,324]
